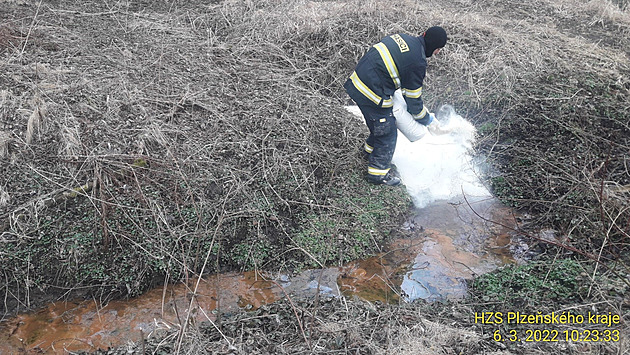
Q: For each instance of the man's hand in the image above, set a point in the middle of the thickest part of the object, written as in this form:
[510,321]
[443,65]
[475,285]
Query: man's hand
[436,127]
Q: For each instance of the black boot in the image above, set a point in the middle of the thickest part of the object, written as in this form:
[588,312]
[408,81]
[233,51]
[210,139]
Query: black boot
[387,179]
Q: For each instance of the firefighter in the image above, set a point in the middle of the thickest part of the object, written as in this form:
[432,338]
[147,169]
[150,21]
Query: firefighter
[398,61]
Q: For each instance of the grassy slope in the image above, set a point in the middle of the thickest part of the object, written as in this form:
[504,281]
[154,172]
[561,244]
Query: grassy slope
[199,137]
[218,127]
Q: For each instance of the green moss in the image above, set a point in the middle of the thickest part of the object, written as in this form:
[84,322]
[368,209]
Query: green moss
[536,282]
[362,218]
[251,254]
[487,128]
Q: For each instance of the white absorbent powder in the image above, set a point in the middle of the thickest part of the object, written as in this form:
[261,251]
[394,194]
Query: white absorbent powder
[437,168]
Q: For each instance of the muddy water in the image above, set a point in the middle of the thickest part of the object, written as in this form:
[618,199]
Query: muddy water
[446,244]
[458,245]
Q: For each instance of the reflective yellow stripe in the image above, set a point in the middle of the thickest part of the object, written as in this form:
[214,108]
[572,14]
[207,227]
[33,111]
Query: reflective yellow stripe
[368,148]
[421,114]
[412,94]
[388,103]
[364,89]
[375,171]
[389,63]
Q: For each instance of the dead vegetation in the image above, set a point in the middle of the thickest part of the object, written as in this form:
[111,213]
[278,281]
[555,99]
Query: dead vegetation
[186,133]
[352,326]
[332,326]
[200,133]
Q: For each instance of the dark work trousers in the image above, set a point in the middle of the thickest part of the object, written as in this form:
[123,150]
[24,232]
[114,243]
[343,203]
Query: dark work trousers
[381,142]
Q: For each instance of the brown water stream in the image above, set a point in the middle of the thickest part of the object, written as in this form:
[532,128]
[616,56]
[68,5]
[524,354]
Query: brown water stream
[448,245]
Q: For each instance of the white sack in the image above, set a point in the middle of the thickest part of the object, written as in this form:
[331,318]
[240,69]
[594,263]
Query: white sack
[404,120]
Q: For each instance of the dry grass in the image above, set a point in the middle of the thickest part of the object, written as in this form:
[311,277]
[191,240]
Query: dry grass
[217,130]
[176,123]
[5,139]
[343,326]
[4,197]
[607,12]
[353,327]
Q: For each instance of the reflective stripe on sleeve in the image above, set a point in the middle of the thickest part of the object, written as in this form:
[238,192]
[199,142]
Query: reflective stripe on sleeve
[421,114]
[412,94]
[364,89]
[389,63]
[368,148]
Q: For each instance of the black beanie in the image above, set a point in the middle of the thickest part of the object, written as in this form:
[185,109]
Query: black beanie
[434,38]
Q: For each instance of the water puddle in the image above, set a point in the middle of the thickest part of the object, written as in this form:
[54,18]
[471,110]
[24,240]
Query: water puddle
[88,325]
[459,245]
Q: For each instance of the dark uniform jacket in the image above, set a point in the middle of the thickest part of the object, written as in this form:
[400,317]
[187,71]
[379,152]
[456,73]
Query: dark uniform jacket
[397,62]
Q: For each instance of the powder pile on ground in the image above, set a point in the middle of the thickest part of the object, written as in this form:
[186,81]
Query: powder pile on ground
[436,168]
[439,167]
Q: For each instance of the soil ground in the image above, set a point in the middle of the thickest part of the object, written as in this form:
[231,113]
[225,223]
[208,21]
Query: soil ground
[151,140]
